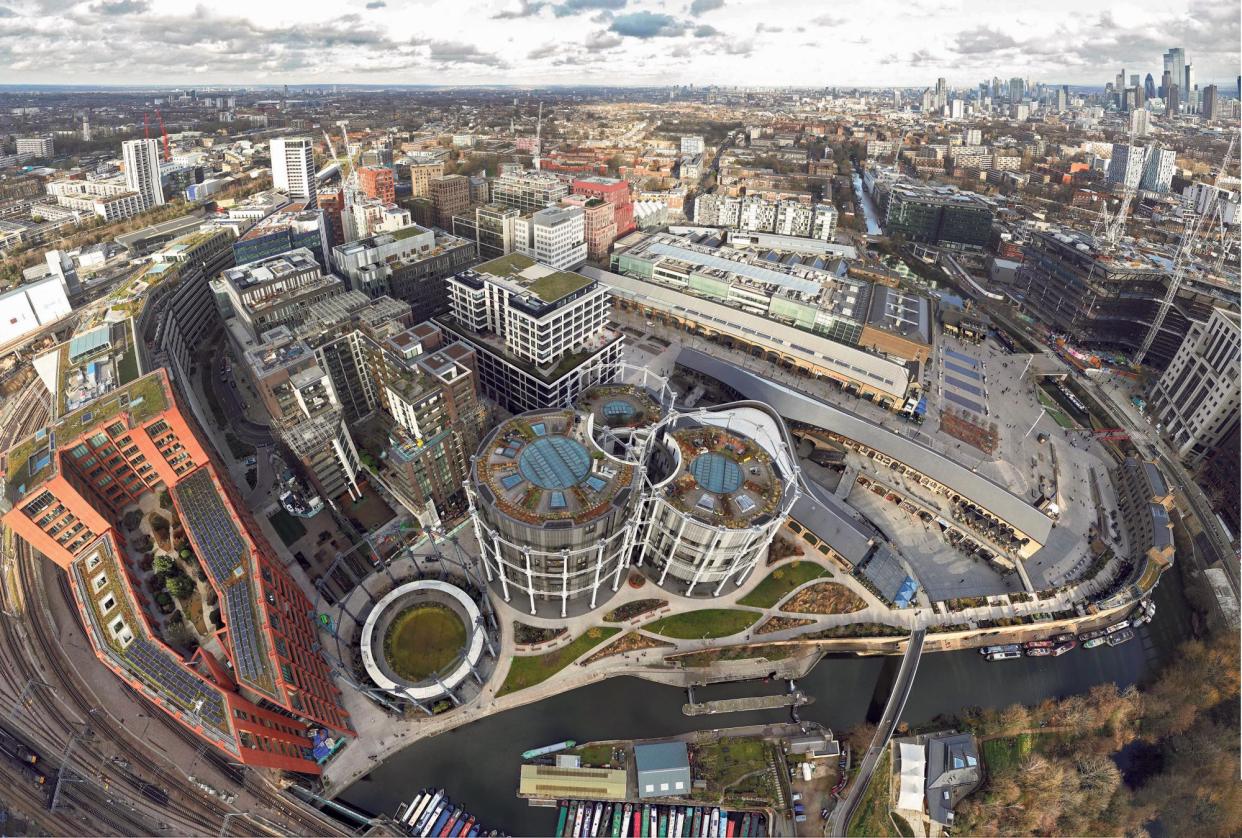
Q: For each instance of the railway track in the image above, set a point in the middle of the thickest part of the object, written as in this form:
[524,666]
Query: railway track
[184,801]
[104,780]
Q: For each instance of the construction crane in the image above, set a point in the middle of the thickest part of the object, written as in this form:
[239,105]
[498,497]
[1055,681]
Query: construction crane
[1182,260]
[1110,227]
[146,125]
[164,134]
[900,143]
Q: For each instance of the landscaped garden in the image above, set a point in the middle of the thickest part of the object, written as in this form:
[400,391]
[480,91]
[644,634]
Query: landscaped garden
[781,582]
[824,598]
[706,623]
[423,640]
[630,610]
[528,670]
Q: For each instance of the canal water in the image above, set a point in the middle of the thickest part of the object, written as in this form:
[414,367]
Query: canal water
[868,207]
[478,764]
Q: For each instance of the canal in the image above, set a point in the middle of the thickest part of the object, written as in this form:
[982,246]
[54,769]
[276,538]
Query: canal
[478,764]
[869,213]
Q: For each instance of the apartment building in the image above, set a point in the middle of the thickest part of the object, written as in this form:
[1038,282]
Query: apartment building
[599,229]
[378,182]
[421,176]
[410,264]
[256,686]
[141,159]
[555,236]
[293,168]
[271,292]
[450,195]
[492,228]
[1195,403]
[540,334]
[306,412]
[528,191]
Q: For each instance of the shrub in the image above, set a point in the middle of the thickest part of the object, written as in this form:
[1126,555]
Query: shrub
[179,586]
[162,564]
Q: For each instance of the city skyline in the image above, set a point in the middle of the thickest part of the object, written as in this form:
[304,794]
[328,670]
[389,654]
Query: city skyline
[605,42]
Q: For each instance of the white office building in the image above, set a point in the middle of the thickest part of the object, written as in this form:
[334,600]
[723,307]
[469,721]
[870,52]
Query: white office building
[691,146]
[293,168]
[142,171]
[1158,170]
[555,236]
[1127,165]
[1196,401]
[35,146]
[541,334]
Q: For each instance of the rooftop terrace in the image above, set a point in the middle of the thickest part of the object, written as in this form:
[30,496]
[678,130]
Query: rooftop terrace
[724,478]
[541,467]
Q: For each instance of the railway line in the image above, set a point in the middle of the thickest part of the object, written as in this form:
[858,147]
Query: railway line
[168,800]
[104,792]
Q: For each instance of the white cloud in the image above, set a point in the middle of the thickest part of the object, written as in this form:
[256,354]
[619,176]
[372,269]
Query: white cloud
[655,41]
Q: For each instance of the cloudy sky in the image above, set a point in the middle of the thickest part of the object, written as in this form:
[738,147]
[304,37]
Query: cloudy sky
[638,42]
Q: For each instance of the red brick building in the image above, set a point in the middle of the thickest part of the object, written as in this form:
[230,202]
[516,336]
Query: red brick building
[615,192]
[377,182]
[125,473]
[599,228]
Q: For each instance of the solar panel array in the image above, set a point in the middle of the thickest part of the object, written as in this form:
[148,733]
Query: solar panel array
[244,633]
[171,678]
[211,525]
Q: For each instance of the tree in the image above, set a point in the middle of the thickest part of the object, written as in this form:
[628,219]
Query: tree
[162,564]
[179,586]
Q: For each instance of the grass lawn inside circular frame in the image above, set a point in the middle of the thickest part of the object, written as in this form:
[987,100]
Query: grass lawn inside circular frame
[423,640]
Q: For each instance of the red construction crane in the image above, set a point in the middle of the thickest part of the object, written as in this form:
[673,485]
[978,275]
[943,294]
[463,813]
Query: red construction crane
[146,125]
[164,133]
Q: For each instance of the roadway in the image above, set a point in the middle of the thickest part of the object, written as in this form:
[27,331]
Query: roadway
[839,821]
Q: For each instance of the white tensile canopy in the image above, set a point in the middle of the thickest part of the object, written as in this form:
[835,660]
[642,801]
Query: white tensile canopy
[913,771]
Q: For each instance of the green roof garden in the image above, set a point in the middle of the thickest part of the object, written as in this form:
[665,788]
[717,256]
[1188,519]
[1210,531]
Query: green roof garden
[554,286]
[406,232]
[142,399]
[506,265]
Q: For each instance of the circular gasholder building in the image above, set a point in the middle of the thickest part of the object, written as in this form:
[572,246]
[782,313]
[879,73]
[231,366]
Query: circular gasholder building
[563,501]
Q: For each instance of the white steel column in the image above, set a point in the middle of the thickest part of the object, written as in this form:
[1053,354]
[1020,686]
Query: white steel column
[703,566]
[530,580]
[599,566]
[564,582]
[673,553]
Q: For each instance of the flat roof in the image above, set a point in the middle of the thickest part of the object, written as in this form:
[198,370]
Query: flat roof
[581,783]
[800,407]
[875,372]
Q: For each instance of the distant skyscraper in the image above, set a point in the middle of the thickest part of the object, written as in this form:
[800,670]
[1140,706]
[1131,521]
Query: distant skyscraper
[1016,88]
[942,92]
[86,129]
[142,170]
[1140,122]
[293,168]
[1173,100]
[1175,63]
[1211,103]
[1149,87]
[1063,98]
[1190,96]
